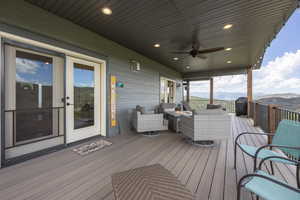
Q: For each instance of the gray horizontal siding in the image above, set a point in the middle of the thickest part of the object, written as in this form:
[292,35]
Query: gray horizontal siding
[140,88]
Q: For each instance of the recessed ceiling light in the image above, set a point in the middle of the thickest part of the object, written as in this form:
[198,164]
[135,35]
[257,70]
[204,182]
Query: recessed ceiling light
[188,67]
[156,45]
[175,58]
[227,26]
[106,11]
[228,49]
[229,61]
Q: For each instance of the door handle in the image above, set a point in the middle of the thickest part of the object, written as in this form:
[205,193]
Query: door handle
[64,99]
[68,104]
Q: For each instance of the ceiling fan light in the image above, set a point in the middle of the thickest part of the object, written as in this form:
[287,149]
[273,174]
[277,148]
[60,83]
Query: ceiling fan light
[227,26]
[106,10]
[156,45]
[188,67]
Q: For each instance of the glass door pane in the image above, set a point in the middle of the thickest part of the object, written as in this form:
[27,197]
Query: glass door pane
[34,75]
[83,96]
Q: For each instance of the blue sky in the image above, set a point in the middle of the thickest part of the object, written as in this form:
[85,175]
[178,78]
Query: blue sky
[83,77]
[288,39]
[32,71]
[279,73]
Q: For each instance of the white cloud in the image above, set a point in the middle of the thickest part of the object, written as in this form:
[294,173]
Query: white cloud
[26,66]
[281,75]
[20,79]
[235,84]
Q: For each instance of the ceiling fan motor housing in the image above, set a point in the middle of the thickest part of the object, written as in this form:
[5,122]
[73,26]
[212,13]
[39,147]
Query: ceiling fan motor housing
[194,52]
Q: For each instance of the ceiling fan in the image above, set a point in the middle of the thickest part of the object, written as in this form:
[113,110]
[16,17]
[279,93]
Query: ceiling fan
[195,52]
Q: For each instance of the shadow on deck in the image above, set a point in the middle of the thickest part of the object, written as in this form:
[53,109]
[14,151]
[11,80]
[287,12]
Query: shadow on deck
[208,172]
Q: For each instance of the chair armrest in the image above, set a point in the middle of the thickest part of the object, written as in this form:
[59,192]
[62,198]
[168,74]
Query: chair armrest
[283,146]
[250,133]
[277,157]
[151,116]
[276,146]
[150,112]
[269,179]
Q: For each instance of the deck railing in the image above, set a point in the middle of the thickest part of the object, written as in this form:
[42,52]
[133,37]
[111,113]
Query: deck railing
[26,126]
[285,114]
[267,117]
[201,104]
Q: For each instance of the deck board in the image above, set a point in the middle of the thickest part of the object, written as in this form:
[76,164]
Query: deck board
[208,172]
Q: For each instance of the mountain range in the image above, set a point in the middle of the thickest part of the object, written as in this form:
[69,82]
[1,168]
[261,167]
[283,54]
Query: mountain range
[224,95]
[290,101]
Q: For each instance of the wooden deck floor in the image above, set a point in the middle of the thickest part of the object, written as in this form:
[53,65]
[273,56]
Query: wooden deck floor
[208,172]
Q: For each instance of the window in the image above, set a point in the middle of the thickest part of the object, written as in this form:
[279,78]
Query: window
[167,90]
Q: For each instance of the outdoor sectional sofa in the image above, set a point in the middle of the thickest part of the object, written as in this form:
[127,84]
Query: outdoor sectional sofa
[207,125]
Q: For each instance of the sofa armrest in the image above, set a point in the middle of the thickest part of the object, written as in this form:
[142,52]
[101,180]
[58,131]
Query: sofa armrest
[151,116]
[149,112]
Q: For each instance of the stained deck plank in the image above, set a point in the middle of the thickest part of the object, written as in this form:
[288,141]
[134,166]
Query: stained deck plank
[208,172]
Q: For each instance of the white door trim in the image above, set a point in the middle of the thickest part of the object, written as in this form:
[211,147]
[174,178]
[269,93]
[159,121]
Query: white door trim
[72,134]
[73,54]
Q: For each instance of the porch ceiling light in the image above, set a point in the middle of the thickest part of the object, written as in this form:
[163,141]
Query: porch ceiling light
[175,58]
[106,10]
[227,26]
[156,45]
[228,49]
[229,61]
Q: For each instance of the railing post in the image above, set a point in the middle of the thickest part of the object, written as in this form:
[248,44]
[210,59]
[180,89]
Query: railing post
[211,95]
[271,121]
[250,112]
[255,113]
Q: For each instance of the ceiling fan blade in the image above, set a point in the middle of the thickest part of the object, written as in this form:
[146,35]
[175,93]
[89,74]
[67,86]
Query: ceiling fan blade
[201,56]
[211,50]
[180,52]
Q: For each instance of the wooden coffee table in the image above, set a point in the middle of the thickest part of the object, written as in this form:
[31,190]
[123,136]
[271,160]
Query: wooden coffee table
[149,183]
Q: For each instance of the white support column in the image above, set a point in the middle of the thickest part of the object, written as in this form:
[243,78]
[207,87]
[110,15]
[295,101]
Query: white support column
[40,95]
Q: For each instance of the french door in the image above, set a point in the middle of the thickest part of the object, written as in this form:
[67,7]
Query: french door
[82,99]
[34,112]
